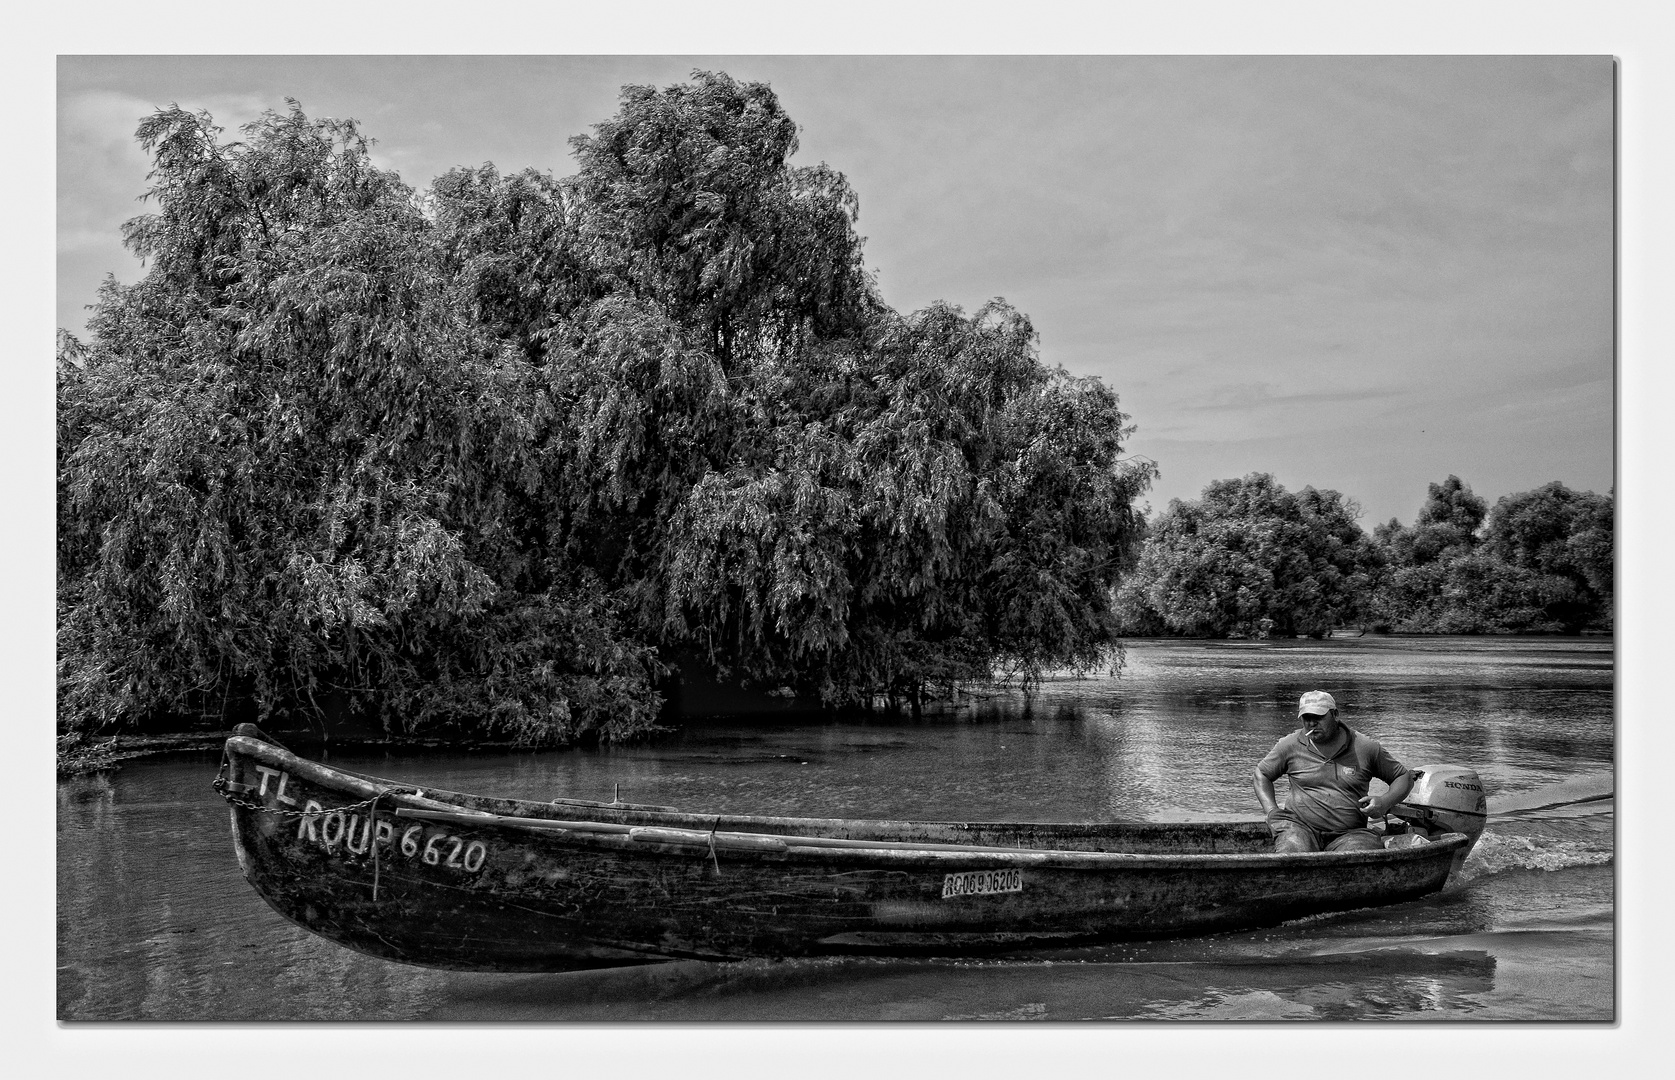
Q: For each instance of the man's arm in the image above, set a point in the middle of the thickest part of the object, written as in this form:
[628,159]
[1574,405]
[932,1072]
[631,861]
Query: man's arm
[1376,806]
[1272,766]
[1392,772]
[1265,794]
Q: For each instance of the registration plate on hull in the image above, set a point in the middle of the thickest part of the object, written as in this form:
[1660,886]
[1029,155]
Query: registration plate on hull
[982,881]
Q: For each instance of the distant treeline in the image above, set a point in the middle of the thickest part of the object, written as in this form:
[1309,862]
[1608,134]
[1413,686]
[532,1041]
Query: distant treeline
[506,454]
[1251,559]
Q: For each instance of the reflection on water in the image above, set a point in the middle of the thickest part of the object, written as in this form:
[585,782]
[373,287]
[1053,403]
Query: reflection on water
[154,920]
[1361,986]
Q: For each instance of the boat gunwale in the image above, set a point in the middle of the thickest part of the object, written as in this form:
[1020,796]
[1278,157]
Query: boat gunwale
[366,787]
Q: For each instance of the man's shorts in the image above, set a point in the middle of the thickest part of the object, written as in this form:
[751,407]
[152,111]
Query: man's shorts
[1291,835]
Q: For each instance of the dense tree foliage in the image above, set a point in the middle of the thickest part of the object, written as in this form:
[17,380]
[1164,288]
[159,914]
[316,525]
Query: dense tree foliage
[1251,559]
[1447,525]
[499,452]
[1540,560]
[1564,535]
[779,475]
[294,476]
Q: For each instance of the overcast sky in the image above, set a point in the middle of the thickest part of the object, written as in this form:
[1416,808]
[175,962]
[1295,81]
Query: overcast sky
[1361,273]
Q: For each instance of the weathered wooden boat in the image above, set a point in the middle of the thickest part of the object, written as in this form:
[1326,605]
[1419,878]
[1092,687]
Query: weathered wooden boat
[461,881]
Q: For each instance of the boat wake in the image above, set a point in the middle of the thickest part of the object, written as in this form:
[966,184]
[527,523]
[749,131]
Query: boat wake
[1498,852]
[1553,826]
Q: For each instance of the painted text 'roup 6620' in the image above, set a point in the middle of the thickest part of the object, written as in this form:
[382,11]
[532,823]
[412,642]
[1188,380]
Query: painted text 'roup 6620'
[337,830]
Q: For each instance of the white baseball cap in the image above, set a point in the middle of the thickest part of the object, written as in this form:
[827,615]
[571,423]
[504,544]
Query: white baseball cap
[1316,703]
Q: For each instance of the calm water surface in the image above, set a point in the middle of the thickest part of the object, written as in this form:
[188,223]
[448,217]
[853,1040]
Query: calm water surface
[155,921]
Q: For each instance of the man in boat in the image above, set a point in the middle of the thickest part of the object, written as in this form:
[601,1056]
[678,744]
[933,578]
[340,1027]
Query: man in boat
[1330,766]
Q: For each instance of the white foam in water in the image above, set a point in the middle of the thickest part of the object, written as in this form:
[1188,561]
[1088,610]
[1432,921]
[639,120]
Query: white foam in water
[1495,853]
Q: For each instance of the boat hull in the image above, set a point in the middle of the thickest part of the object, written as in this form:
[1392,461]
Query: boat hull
[465,882]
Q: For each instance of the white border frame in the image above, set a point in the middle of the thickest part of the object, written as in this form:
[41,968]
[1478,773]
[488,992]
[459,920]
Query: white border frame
[1640,34]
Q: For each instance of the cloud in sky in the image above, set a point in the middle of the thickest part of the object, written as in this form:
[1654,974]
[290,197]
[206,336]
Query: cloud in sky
[1361,273]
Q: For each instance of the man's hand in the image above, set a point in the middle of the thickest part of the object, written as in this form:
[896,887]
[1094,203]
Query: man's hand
[1375,806]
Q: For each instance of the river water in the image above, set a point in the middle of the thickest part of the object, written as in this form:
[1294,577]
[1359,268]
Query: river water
[155,921]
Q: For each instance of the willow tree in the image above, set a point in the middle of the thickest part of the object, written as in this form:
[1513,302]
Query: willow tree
[938,507]
[299,480]
[781,477]
[509,449]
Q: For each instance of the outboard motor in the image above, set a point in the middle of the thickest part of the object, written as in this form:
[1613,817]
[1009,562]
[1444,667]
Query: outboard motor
[1444,799]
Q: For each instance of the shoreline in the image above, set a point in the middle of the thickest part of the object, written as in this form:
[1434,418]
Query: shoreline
[107,753]
[82,755]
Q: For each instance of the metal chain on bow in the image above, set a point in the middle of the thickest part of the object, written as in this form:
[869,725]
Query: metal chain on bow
[221,788]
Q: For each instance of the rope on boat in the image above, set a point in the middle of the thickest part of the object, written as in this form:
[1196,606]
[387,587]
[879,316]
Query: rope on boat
[223,789]
[372,841]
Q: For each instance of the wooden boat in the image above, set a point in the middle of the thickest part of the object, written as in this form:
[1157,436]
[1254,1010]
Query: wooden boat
[467,882]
